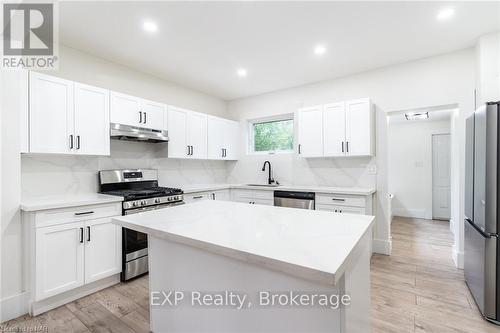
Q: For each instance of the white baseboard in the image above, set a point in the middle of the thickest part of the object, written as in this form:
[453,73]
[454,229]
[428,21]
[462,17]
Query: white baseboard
[382,246]
[14,306]
[458,258]
[412,213]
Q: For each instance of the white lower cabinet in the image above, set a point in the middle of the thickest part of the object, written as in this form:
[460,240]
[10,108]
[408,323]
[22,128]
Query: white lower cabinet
[71,247]
[102,249]
[253,197]
[344,203]
[59,259]
[198,196]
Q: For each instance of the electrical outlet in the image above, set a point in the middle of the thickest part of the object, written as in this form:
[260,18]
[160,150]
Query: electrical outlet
[372,169]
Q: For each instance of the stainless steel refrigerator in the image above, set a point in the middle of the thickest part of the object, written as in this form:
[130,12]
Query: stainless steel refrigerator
[482,176]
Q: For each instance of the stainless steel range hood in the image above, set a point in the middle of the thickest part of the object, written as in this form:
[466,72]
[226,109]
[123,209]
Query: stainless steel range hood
[132,133]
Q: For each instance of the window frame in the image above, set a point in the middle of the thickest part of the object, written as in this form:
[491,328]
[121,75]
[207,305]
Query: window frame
[251,134]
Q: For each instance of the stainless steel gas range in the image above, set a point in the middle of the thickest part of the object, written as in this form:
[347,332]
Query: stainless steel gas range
[141,193]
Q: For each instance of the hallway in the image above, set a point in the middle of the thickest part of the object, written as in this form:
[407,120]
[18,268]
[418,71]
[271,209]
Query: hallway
[418,288]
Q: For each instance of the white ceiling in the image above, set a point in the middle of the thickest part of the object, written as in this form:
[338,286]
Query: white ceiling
[200,45]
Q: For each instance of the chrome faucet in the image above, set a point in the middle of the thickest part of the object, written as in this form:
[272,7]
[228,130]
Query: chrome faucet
[270,179]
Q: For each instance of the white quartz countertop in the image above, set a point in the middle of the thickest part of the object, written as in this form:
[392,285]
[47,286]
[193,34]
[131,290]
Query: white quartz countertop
[317,189]
[30,204]
[306,243]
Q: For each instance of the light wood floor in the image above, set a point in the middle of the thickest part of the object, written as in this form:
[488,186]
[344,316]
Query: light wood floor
[416,289]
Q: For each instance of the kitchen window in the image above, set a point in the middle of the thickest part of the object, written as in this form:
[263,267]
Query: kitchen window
[271,135]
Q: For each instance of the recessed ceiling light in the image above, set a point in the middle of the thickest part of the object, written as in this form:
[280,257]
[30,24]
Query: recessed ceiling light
[150,26]
[445,14]
[416,115]
[241,72]
[319,50]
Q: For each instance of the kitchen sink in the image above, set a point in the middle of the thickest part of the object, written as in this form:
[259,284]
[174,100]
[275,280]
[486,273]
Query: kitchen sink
[264,185]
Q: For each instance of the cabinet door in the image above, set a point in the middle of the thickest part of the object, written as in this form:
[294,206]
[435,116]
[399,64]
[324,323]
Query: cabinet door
[216,128]
[125,110]
[177,123]
[310,127]
[197,134]
[231,140]
[103,245]
[341,209]
[59,259]
[91,120]
[359,127]
[152,114]
[51,114]
[223,195]
[334,129]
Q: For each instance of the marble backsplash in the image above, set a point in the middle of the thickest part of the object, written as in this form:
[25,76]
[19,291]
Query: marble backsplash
[61,174]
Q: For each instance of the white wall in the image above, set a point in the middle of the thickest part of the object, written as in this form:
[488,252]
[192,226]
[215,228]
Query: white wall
[50,174]
[436,81]
[488,68]
[410,166]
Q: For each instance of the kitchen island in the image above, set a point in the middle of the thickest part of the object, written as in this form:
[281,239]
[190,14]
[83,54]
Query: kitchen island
[220,266]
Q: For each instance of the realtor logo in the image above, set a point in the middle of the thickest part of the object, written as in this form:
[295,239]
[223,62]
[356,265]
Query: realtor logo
[29,36]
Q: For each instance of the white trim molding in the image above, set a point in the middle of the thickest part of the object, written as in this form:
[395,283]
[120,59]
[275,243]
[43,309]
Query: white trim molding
[382,246]
[413,213]
[458,257]
[14,306]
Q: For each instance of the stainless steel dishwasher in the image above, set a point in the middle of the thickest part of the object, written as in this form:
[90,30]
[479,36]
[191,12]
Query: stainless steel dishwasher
[293,199]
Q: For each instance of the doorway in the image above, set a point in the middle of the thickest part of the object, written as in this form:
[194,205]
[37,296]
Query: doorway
[441,209]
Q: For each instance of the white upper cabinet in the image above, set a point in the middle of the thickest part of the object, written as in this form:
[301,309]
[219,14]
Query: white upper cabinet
[231,139]
[334,129]
[197,135]
[215,134]
[51,114]
[91,120]
[138,112]
[337,129]
[67,117]
[310,131]
[187,132]
[222,139]
[360,125]
[177,136]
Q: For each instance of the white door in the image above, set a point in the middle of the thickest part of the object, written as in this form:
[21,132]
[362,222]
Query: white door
[216,130]
[153,114]
[358,127]
[177,123]
[310,131]
[231,140]
[102,249]
[51,114]
[91,120]
[197,135]
[125,110]
[441,177]
[334,129]
[59,259]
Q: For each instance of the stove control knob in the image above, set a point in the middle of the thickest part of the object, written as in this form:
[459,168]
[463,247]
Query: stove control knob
[134,204]
[169,198]
[157,200]
[143,203]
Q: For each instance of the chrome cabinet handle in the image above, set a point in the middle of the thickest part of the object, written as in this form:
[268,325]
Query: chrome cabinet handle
[198,197]
[77,142]
[88,234]
[145,117]
[84,213]
[337,199]
[342,146]
[81,235]
[71,141]
[192,150]
[300,150]
[140,117]
[347,146]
